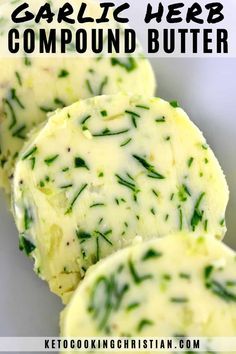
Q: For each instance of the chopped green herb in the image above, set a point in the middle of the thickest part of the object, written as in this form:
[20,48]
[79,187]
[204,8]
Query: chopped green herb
[26,246]
[85,119]
[82,235]
[46,109]
[18,78]
[51,159]
[153,211]
[12,112]
[59,102]
[89,87]
[30,153]
[66,186]
[205,225]
[104,113]
[103,235]
[27,61]
[144,323]
[134,114]
[138,279]
[129,65]
[183,193]
[174,104]
[197,214]
[126,142]
[80,163]
[129,184]
[63,73]
[107,132]
[96,205]
[190,161]
[69,210]
[149,168]
[160,120]
[142,107]
[151,253]
[16,98]
[19,131]
[103,84]
[27,219]
[132,306]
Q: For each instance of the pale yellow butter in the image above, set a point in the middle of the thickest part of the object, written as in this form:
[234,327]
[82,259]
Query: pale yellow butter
[107,172]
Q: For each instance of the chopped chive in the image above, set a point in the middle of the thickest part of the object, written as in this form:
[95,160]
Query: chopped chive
[46,109]
[82,235]
[69,210]
[16,98]
[160,120]
[107,132]
[18,78]
[59,102]
[134,114]
[132,306]
[149,168]
[12,112]
[19,131]
[27,61]
[144,323]
[153,211]
[151,253]
[85,119]
[103,235]
[29,153]
[138,279]
[96,205]
[89,87]
[142,107]
[50,160]
[180,219]
[126,142]
[66,186]
[190,161]
[197,214]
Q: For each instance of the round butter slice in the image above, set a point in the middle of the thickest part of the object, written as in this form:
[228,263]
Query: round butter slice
[106,170]
[182,285]
[31,87]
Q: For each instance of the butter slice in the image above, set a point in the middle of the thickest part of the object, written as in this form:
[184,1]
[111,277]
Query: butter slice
[183,285]
[108,172]
[32,87]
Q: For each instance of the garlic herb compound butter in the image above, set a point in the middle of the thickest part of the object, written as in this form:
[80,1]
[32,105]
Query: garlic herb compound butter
[183,285]
[31,87]
[105,170]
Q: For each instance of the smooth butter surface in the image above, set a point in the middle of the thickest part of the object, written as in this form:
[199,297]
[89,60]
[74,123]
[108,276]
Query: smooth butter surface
[181,285]
[106,170]
[31,87]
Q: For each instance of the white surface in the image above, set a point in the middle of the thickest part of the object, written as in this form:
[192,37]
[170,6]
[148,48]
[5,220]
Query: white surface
[206,90]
